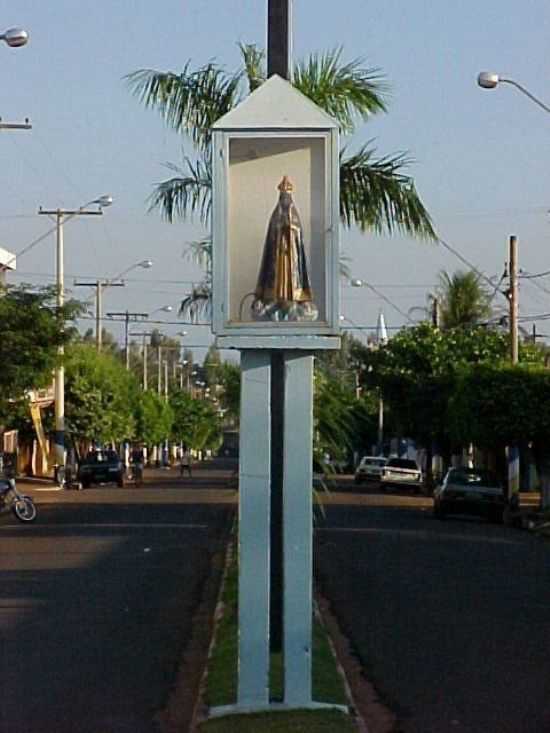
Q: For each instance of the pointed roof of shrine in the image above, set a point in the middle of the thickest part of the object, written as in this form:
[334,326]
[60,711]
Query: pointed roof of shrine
[276,104]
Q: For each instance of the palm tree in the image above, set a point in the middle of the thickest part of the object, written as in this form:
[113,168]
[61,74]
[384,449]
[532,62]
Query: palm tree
[464,300]
[375,193]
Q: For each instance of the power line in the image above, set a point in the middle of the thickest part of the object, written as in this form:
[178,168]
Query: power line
[465,261]
[524,276]
[104,277]
[147,320]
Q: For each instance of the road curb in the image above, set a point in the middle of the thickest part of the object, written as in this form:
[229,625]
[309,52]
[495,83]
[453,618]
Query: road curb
[370,713]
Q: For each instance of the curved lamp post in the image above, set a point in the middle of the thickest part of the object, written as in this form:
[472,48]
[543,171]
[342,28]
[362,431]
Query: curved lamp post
[110,282]
[145,264]
[490,80]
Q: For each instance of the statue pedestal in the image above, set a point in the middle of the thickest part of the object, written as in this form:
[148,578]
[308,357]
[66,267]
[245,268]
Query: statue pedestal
[255,518]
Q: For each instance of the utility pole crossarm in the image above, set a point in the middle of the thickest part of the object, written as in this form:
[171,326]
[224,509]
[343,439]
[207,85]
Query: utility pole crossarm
[126,314]
[95,283]
[98,285]
[70,212]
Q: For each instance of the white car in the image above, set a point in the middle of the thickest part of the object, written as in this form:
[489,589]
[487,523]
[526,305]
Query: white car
[370,469]
[401,472]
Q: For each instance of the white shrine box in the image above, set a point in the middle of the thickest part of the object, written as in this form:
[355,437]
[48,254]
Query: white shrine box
[275,177]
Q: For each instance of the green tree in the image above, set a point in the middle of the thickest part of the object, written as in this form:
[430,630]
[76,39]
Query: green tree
[418,369]
[154,418]
[212,365]
[464,300]
[109,343]
[229,377]
[196,422]
[498,405]
[100,396]
[31,332]
[375,192]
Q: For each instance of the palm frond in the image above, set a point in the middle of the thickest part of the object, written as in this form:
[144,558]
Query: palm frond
[200,251]
[254,65]
[189,102]
[188,193]
[197,306]
[375,194]
[344,268]
[343,91]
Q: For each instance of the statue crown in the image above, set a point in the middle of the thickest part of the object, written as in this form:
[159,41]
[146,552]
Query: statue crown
[286,185]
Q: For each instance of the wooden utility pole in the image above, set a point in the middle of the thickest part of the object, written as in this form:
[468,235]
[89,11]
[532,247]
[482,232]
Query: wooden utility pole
[436,312]
[513,450]
[513,298]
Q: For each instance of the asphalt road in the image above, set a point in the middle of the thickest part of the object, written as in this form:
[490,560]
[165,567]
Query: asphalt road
[450,620]
[97,602]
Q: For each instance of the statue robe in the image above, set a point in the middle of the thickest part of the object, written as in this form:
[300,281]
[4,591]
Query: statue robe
[283,276]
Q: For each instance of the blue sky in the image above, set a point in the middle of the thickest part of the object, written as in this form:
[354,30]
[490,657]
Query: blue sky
[480,157]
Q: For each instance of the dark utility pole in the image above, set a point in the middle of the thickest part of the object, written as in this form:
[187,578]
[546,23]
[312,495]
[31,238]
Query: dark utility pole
[98,285]
[279,38]
[127,316]
[278,62]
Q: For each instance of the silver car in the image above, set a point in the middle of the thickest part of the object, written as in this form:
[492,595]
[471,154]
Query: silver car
[401,472]
[370,468]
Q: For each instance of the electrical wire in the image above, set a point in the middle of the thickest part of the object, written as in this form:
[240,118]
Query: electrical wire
[525,276]
[145,320]
[465,261]
[386,300]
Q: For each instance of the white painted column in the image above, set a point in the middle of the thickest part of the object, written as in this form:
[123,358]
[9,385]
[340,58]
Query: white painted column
[254,516]
[513,471]
[297,528]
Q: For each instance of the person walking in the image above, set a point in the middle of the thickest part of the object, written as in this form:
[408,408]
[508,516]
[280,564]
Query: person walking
[185,462]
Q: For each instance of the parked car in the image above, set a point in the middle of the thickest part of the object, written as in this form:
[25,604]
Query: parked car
[401,472]
[370,468]
[101,467]
[470,491]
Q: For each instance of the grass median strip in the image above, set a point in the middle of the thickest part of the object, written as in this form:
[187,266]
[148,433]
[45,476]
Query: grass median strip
[221,681]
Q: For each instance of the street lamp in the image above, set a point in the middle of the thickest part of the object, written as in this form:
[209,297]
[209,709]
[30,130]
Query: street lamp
[162,309]
[145,264]
[15,37]
[108,283]
[381,339]
[490,80]
[61,216]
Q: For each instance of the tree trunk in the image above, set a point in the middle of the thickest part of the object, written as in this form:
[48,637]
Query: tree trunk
[429,476]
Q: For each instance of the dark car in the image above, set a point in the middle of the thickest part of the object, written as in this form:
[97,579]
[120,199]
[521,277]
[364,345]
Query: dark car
[470,491]
[101,467]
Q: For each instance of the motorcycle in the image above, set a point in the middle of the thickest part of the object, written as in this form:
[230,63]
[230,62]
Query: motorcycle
[22,506]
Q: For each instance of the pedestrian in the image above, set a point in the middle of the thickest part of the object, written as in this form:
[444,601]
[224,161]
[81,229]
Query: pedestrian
[185,462]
